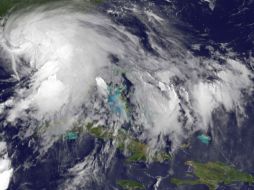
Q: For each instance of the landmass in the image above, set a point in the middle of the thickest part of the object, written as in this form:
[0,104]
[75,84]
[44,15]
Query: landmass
[7,5]
[212,174]
[138,151]
[130,185]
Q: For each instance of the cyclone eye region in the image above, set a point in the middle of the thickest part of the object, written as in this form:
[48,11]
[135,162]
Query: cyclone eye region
[123,95]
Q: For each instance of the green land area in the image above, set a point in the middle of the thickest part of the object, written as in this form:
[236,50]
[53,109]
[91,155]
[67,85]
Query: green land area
[137,151]
[212,174]
[7,5]
[130,185]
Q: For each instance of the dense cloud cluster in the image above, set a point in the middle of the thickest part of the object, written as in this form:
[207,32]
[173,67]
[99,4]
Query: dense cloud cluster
[64,61]
[62,52]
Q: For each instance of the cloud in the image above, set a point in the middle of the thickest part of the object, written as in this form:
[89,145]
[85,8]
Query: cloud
[5,167]
[65,53]
[226,91]
[178,100]
[159,108]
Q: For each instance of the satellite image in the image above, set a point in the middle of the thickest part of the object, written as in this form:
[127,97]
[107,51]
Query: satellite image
[126,95]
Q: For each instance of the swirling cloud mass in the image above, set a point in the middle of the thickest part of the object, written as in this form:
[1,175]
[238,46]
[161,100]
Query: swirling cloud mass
[63,51]
[64,59]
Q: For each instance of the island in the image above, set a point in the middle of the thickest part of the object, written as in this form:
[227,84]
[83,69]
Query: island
[212,174]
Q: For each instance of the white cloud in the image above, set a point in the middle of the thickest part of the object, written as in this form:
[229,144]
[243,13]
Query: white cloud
[178,109]
[66,51]
[51,91]
[102,86]
[5,167]
[226,91]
